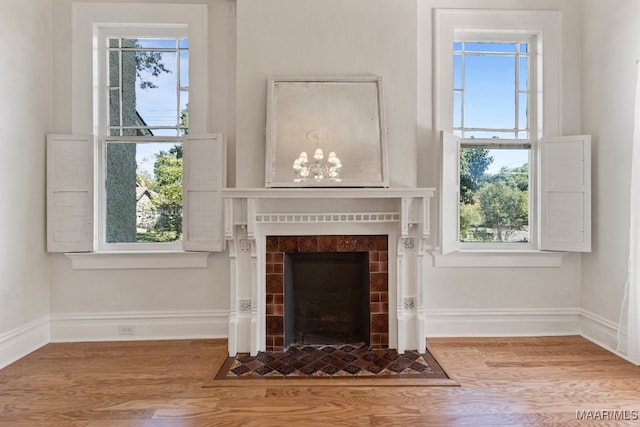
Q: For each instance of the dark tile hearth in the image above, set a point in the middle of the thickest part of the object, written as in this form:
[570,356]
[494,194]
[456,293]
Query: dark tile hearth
[343,361]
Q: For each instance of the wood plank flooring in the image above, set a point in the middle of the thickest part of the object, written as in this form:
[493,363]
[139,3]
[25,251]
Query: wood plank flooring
[548,381]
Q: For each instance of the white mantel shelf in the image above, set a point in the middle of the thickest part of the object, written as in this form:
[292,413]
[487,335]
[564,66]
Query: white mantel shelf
[411,207]
[328,193]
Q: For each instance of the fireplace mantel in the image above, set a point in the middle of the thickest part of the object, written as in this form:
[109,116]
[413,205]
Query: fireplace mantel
[252,214]
[249,207]
[337,193]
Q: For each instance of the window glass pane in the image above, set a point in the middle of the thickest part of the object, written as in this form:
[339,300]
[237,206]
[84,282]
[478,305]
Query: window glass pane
[457,110]
[457,71]
[156,97]
[457,46]
[494,195]
[129,71]
[114,107]
[489,47]
[489,134]
[522,111]
[489,92]
[184,112]
[184,68]
[143,192]
[524,74]
[151,43]
[149,74]
[183,43]
[114,68]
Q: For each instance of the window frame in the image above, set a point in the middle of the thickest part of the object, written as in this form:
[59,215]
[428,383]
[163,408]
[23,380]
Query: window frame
[545,28]
[90,22]
[104,138]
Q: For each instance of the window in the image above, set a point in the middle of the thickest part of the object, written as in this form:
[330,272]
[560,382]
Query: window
[145,88]
[138,172]
[492,113]
[496,103]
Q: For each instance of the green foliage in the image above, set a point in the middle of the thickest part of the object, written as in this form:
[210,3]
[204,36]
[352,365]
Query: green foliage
[517,177]
[473,165]
[493,207]
[184,119]
[504,208]
[470,215]
[168,184]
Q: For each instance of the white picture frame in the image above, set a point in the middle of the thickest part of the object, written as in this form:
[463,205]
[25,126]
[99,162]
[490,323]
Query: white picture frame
[343,115]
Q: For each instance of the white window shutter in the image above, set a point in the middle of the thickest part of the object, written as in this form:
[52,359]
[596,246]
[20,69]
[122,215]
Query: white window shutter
[205,159]
[450,194]
[565,164]
[70,160]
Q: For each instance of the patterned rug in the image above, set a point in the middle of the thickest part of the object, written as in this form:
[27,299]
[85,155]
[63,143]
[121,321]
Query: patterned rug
[332,362]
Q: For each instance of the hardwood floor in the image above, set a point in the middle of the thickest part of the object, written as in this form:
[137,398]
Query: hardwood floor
[504,381]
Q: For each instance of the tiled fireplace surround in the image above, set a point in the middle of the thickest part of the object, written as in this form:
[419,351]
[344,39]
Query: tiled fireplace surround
[377,248]
[261,225]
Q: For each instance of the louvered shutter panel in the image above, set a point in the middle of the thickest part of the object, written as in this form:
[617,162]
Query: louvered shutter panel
[70,160]
[450,194]
[204,178]
[565,193]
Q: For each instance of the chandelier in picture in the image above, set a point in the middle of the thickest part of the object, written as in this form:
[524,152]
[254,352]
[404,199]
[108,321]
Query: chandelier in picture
[317,169]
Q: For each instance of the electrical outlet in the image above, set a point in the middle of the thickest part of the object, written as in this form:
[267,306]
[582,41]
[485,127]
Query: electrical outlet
[126,330]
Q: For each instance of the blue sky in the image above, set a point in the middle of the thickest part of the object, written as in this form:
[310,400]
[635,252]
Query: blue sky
[490,95]
[158,106]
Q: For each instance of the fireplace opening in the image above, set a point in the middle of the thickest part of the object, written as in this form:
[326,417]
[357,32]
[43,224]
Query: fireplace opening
[326,298]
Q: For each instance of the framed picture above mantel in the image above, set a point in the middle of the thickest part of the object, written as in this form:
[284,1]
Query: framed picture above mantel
[326,132]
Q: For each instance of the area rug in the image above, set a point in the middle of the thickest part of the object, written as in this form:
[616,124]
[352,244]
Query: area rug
[333,364]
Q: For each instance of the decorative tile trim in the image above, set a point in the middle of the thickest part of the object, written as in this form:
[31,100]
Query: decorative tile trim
[245,245]
[244,305]
[409,304]
[409,243]
[356,217]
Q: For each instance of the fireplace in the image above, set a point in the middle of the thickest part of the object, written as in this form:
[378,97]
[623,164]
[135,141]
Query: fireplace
[309,312]
[264,227]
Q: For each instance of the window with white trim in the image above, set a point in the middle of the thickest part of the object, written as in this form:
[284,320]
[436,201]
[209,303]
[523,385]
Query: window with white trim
[492,114]
[145,89]
[139,172]
[496,100]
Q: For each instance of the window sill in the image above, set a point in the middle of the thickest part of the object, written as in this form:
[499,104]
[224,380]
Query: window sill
[137,260]
[498,258]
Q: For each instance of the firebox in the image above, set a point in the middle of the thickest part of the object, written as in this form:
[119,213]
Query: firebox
[326,298]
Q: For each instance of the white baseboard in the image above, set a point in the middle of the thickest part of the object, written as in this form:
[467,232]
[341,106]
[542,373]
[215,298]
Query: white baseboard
[22,340]
[604,333]
[134,326]
[522,323]
[157,325]
[497,323]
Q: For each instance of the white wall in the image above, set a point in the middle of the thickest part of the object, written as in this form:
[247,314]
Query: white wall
[393,38]
[612,31]
[338,37]
[330,37]
[89,304]
[25,106]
